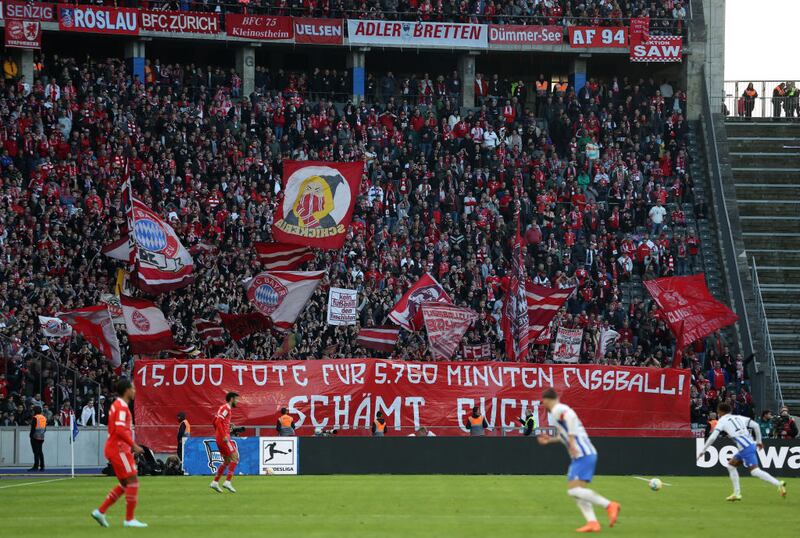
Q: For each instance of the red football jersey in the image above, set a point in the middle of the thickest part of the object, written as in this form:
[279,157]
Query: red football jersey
[222,421]
[120,429]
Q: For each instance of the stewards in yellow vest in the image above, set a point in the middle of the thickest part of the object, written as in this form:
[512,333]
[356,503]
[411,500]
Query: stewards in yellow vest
[38,429]
[379,425]
[184,430]
[475,423]
[285,425]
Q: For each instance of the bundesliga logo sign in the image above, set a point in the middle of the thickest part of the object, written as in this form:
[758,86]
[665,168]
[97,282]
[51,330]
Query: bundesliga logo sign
[317,205]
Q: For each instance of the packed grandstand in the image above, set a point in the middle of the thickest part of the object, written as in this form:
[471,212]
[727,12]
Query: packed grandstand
[594,178]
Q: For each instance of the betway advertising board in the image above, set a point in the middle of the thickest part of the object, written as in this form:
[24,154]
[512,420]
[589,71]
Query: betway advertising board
[418,34]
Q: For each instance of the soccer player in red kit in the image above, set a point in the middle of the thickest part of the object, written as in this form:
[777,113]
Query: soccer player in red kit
[222,432]
[119,451]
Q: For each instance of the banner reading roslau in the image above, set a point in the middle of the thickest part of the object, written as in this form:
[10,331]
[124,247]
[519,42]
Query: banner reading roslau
[346,394]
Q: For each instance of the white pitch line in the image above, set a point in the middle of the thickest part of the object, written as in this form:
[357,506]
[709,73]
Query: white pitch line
[34,483]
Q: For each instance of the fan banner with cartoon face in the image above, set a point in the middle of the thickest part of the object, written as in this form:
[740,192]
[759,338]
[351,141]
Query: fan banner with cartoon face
[317,205]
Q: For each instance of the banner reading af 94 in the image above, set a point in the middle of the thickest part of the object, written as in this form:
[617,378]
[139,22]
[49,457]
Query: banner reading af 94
[346,393]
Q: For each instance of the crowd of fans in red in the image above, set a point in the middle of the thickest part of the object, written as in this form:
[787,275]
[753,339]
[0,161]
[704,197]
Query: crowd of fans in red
[436,196]
[668,16]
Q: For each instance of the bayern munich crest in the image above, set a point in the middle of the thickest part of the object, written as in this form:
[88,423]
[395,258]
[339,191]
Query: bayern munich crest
[140,321]
[151,235]
[266,293]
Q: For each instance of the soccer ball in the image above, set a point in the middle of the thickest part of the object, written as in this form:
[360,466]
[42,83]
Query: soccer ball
[655,484]
[270,472]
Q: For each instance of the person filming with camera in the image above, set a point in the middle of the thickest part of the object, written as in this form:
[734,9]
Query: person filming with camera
[785,425]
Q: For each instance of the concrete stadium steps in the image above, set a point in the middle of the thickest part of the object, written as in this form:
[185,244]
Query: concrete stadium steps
[765,161]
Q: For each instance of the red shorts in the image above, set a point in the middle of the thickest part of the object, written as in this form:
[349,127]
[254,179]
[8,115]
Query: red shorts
[226,448]
[123,464]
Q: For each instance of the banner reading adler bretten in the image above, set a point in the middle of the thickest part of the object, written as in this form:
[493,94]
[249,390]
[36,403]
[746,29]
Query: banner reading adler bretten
[317,205]
[346,393]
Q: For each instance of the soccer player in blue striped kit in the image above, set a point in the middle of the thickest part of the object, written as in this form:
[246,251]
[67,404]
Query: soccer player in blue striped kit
[738,428]
[584,460]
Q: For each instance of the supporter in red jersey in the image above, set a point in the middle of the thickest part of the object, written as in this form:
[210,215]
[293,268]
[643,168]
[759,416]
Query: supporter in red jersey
[222,433]
[119,451]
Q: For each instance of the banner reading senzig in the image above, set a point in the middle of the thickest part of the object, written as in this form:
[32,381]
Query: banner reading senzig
[346,393]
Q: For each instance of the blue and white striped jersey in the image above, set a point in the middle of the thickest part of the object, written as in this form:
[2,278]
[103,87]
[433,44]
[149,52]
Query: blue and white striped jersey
[738,428]
[567,423]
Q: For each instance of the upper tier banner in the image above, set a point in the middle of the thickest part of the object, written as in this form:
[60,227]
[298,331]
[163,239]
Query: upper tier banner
[418,34]
[346,393]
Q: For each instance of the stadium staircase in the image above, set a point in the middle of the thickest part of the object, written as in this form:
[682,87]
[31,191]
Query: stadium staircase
[765,161]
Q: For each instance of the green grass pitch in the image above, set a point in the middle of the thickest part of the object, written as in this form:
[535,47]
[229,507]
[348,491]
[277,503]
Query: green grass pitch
[396,506]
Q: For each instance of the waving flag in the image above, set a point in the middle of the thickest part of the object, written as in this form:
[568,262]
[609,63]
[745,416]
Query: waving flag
[54,327]
[281,256]
[317,205]
[689,308]
[241,325]
[378,338]
[210,333]
[119,249]
[515,321]
[543,304]
[446,326]
[282,295]
[408,311]
[159,262]
[95,325]
[148,330]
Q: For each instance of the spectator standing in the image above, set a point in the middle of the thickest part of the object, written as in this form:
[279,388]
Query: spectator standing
[88,414]
[766,424]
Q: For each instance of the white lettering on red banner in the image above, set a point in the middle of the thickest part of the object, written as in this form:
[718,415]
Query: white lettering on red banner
[101,20]
[23,34]
[513,34]
[598,37]
[318,31]
[180,22]
[259,27]
[14,9]
[418,34]
[662,49]
[346,393]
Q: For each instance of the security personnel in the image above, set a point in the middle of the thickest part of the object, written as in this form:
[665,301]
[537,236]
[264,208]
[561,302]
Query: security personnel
[778,96]
[379,425]
[560,88]
[184,430]
[285,425]
[529,423]
[542,87]
[476,424]
[38,429]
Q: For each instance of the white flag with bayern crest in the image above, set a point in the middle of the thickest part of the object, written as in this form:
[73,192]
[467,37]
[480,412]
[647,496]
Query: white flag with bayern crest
[282,295]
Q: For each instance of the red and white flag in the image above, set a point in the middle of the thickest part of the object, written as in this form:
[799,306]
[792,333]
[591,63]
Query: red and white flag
[515,306]
[282,256]
[159,262]
[282,295]
[446,326]
[119,249]
[54,327]
[317,203]
[210,333]
[95,325]
[543,305]
[242,325]
[408,311]
[148,330]
[378,338]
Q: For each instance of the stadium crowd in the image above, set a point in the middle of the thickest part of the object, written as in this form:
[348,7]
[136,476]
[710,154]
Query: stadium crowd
[667,16]
[602,175]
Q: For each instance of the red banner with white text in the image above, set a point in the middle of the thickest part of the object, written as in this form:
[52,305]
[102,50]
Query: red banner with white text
[318,31]
[19,9]
[346,393]
[180,22]
[598,37]
[261,27]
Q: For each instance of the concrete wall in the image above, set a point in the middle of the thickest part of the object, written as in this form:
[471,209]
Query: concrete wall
[715,45]
[15,447]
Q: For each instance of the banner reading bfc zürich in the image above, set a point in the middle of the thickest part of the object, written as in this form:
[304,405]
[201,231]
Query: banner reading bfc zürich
[257,455]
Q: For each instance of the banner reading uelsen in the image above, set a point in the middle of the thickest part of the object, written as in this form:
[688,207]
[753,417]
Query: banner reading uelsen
[418,34]
[318,31]
[346,394]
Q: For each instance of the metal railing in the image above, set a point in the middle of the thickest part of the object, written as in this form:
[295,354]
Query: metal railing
[727,245]
[734,104]
[766,352]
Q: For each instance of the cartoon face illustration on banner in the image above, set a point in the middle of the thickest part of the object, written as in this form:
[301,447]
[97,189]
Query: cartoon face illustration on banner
[266,293]
[427,294]
[150,235]
[316,198]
